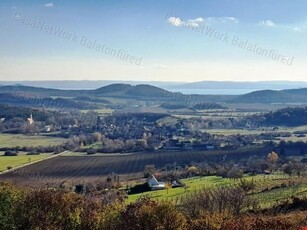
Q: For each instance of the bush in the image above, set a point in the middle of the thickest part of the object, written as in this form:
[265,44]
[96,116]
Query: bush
[247,185]
[91,151]
[10,153]
[223,200]
[33,153]
[148,214]
[9,167]
[9,196]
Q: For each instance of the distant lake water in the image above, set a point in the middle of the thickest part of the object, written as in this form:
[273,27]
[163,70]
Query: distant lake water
[214,91]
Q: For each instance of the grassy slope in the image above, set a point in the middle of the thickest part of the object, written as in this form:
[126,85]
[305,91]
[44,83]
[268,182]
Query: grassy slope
[10,140]
[14,161]
[262,182]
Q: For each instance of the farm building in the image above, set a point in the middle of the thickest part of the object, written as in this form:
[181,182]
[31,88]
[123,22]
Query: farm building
[154,184]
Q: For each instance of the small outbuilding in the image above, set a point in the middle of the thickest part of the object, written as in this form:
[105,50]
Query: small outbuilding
[154,184]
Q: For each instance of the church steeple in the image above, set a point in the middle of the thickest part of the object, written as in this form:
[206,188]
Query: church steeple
[30,119]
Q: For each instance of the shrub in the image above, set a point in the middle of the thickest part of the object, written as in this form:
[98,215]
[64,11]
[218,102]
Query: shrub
[148,214]
[10,153]
[223,200]
[33,153]
[91,151]
[247,185]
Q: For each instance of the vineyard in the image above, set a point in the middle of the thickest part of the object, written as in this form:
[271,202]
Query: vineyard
[269,189]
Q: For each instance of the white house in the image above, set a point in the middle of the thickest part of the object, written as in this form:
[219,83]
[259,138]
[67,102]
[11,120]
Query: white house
[154,184]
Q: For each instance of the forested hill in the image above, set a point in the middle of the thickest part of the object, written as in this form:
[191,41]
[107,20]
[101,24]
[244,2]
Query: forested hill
[289,117]
[273,96]
[152,93]
[18,94]
[114,90]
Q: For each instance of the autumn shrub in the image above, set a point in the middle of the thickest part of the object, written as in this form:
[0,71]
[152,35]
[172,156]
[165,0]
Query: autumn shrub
[293,221]
[232,201]
[9,195]
[207,221]
[48,209]
[96,215]
[149,214]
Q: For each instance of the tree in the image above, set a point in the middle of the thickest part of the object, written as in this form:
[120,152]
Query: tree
[272,157]
[149,170]
[294,167]
[97,136]
[193,171]
[234,173]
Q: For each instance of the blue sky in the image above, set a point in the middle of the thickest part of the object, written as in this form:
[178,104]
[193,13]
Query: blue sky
[176,40]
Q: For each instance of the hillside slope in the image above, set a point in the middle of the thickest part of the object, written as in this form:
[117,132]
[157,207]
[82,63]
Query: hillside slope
[273,96]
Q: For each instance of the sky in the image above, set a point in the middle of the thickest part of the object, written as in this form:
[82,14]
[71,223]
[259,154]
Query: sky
[146,40]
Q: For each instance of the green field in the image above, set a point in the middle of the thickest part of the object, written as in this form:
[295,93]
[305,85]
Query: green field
[229,132]
[22,159]
[193,184]
[100,111]
[262,182]
[14,140]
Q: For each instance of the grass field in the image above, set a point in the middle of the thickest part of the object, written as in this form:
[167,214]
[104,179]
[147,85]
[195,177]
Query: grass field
[100,111]
[193,184]
[13,140]
[229,132]
[22,159]
[197,183]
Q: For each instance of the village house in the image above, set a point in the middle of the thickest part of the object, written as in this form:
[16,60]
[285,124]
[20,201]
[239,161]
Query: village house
[154,184]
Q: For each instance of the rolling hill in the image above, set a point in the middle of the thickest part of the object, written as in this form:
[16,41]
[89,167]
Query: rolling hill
[273,96]
[85,99]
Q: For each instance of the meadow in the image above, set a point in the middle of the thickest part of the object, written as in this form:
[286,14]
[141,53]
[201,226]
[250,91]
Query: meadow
[21,159]
[14,140]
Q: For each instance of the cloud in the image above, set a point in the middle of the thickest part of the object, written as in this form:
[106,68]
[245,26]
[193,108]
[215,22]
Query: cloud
[267,23]
[176,21]
[222,20]
[297,29]
[49,4]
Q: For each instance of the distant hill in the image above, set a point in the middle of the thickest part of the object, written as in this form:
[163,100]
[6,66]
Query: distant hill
[88,85]
[44,102]
[273,96]
[37,91]
[127,90]
[22,95]
[91,85]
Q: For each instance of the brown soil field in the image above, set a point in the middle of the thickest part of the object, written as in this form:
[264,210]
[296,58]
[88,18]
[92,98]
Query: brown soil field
[95,168]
